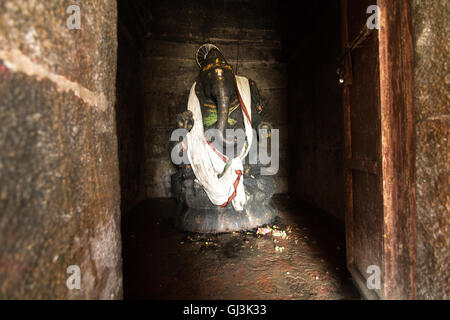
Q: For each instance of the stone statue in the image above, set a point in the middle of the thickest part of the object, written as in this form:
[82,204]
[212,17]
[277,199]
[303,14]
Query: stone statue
[221,191]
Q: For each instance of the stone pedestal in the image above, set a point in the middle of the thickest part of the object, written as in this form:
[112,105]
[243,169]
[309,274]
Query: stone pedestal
[196,213]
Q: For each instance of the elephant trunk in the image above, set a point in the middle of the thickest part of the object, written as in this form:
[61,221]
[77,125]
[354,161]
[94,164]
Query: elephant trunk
[223,103]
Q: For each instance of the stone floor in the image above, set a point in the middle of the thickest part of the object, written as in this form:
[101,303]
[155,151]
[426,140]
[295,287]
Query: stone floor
[302,258]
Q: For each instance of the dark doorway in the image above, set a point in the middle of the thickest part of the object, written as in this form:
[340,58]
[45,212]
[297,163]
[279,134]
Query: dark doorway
[293,56]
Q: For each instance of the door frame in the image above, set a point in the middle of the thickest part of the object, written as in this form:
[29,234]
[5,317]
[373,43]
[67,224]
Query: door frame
[397,153]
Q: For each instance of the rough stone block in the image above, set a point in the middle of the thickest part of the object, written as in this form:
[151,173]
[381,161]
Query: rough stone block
[59,177]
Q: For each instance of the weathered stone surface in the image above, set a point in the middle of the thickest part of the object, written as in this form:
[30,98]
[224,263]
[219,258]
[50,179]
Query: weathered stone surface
[157,142]
[433,209]
[59,179]
[431,29]
[174,75]
[233,52]
[36,28]
[196,21]
[276,104]
[157,176]
[163,106]
[266,75]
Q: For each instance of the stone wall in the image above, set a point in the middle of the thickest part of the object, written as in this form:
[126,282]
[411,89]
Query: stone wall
[431,33]
[59,177]
[247,35]
[315,107]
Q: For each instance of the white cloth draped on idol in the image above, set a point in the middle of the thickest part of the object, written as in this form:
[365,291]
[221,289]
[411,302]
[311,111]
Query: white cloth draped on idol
[218,191]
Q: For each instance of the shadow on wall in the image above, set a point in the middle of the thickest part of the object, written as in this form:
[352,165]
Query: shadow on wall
[316,130]
[129,102]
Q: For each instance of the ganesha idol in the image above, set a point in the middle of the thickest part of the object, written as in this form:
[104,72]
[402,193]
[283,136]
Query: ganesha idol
[222,182]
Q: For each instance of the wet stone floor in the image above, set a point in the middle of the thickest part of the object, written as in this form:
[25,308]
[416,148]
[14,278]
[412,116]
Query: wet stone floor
[300,256]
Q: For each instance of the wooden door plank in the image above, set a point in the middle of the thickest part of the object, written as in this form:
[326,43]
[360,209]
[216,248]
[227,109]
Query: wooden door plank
[396,90]
[347,139]
[362,165]
[380,221]
[364,216]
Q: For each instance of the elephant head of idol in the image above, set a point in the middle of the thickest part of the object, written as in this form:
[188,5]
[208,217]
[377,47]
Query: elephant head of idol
[218,84]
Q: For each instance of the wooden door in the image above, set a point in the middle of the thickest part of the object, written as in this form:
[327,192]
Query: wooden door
[379,148]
